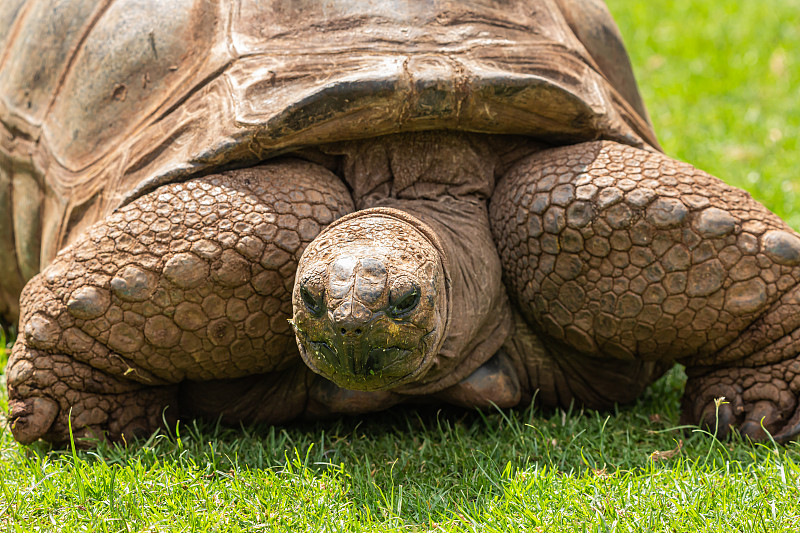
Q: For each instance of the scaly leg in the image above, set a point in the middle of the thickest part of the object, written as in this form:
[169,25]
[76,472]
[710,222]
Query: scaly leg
[190,282]
[622,256]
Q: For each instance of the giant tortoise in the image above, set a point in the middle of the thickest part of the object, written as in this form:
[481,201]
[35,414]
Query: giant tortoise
[264,211]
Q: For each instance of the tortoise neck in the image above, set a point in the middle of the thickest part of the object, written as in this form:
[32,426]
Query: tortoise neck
[443,178]
[420,165]
[479,311]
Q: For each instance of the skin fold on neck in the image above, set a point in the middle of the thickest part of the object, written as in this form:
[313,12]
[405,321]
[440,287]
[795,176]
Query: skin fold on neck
[443,179]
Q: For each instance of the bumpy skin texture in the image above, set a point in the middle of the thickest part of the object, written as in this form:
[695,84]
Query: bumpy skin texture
[370,316]
[626,256]
[190,282]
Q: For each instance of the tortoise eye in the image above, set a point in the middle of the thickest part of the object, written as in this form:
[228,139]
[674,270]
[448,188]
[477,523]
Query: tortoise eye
[314,305]
[406,302]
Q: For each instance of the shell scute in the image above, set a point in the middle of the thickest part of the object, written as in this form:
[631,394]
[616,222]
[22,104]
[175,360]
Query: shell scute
[37,58]
[136,55]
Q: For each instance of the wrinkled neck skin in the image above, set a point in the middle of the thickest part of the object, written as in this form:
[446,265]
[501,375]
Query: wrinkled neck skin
[444,179]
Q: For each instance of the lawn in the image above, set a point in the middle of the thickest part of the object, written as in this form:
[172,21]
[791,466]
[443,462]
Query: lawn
[721,82]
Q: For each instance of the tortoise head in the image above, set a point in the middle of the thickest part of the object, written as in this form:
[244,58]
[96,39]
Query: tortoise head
[371,300]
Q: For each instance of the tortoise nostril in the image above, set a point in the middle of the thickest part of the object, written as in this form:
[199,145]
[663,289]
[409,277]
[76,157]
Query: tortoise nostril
[351,318]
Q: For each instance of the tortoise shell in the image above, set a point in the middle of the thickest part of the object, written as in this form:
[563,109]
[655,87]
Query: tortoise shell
[101,101]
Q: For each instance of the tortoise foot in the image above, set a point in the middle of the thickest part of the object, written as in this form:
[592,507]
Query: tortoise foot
[495,383]
[54,397]
[758,402]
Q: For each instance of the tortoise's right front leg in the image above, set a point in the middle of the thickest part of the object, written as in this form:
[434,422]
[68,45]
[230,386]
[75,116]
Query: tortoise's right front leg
[190,282]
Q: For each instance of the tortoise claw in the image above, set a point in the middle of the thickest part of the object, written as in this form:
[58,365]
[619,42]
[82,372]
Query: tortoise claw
[763,414]
[757,405]
[31,418]
[717,420]
[753,430]
[790,430]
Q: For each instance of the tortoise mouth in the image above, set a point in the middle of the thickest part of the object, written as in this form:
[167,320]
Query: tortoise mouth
[379,352]
[371,361]
[360,366]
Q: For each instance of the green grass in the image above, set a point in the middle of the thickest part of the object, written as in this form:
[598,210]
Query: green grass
[720,81]
[427,470]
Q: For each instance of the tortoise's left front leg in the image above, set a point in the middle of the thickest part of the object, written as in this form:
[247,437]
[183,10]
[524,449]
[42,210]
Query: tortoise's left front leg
[621,257]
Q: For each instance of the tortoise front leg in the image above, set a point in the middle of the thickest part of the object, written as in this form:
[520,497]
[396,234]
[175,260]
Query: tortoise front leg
[620,256]
[190,282]
[49,392]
